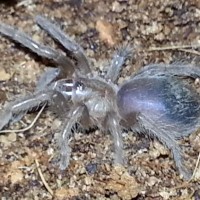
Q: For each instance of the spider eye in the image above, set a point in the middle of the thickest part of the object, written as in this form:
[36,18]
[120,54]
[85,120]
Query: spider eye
[79,86]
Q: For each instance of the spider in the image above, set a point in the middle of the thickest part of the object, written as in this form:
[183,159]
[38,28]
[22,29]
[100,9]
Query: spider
[158,100]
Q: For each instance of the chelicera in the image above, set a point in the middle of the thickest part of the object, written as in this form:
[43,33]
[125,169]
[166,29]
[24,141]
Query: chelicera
[156,100]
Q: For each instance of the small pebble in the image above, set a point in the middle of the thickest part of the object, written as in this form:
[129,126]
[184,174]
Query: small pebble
[91,168]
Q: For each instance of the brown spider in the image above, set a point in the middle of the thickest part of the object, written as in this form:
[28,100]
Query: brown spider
[155,101]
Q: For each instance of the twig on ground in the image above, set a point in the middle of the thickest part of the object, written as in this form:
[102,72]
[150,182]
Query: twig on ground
[42,178]
[28,127]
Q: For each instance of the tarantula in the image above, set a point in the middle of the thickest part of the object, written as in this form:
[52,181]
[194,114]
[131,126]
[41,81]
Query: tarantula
[156,101]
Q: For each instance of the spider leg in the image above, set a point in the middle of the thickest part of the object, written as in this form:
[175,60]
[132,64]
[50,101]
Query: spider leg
[65,151]
[165,135]
[44,51]
[14,111]
[66,42]
[154,70]
[118,61]
[115,129]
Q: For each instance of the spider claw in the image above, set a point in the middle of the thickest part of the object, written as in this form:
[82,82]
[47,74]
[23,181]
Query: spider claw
[125,51]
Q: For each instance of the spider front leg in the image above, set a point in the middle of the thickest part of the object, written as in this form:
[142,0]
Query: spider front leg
[66,42]
[65,151]
[60,59]
[113,126]
[15,110]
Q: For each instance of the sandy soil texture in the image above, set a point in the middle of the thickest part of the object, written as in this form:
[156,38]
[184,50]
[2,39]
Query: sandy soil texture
[28,160]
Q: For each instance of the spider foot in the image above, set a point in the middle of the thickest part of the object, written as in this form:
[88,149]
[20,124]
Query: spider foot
[118,158]
[184,171]
[5,118]
[65,154]
[187,174]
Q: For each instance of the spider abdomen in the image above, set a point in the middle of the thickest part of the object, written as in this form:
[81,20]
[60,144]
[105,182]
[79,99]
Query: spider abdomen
[164,100]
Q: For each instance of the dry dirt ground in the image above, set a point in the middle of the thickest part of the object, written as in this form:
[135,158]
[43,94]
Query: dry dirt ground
[28,160]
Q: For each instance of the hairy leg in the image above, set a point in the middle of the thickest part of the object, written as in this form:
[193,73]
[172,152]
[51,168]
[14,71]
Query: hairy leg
[165,135]
[65,151]
[44,51]
[115,129]
[15,110]
[168,69]
[67,43]
[118,60]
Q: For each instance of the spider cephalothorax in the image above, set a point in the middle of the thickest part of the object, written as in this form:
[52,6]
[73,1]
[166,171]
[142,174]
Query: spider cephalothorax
[154,101]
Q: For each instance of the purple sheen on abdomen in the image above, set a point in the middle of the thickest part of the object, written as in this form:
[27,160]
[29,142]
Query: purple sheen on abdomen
[161,98]
[138,102]
[139,96]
